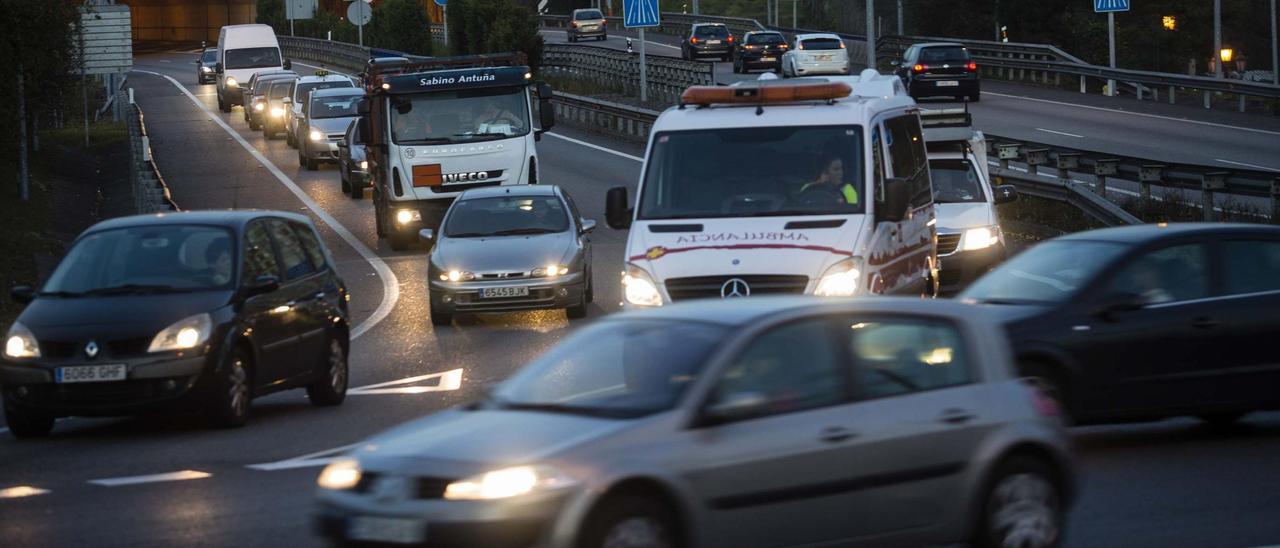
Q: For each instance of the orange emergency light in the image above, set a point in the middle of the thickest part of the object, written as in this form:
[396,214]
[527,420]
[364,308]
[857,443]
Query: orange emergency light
[765,94]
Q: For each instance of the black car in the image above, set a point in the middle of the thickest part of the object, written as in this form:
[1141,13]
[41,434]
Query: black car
[708,39]
[205,65]
[1148,321]
[353,165]
[189,310]
[758,50]
[940,69]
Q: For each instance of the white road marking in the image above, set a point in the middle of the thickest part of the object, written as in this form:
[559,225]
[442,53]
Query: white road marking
[612,36]
[597,147]
[20,491]
[152,478]
[447,380]
[319,458]
[1254,166]
[390,284]
[1060,133]
[1144,115]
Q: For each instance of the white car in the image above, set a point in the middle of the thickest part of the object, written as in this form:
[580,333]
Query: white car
[815,54]
[322,79]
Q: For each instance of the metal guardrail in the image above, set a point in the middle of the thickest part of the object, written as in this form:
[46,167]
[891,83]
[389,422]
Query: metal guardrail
[616,119]
[150,193]
[667,76]
[327,53]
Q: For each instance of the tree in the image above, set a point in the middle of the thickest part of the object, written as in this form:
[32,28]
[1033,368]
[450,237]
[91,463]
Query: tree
[493,26]
[401,25]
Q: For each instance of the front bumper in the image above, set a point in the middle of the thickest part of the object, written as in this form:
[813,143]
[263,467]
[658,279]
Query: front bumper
[151,382]
[961,268]
[544,294]
[321,150]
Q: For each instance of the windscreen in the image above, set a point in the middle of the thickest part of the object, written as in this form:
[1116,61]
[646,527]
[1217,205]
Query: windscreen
[944,54]
[460,116]
[252,58]
[159,258]
[1048,273]
[334,106]
[955,181]
[712,31]
[506,216]
[279,89]
[307,87]
[622,369]
[820,44]
[588,15]
[767,39]
[752,172]
[210,56]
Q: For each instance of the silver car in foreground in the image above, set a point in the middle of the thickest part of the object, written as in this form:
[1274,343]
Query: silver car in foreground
[770,421]
[510,248]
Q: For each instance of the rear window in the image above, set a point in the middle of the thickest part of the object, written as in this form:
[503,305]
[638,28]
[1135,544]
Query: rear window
[587,15]
[820,43]
[712,31]
[944,54]
[771,38]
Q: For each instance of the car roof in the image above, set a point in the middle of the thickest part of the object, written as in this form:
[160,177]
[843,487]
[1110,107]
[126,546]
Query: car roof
[1141,234]
[939,45]
[709,25]
[513,190]
[753,310]
[818,35]
[336,92]
[230,218]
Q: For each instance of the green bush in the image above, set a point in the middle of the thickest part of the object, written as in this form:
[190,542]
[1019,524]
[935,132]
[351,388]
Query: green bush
[493,26]
[401,25]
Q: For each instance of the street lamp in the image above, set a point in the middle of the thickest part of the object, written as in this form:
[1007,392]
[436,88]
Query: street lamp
[1170,22]
[1226,54]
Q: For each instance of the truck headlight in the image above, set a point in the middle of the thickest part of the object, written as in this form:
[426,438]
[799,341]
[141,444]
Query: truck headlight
[406,216]
[21,343]
[981,238]
[364,164]
[841,280]
[186,333]
[316,135]
[231,82]
[259,107]
[639,288]
[340,475]
[506,483]
[277,112]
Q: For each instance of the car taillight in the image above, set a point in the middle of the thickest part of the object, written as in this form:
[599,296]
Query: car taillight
[972,66]
[604,23]
[731,39]
[693,40]
[573,24]
[920,68]
[1043,402]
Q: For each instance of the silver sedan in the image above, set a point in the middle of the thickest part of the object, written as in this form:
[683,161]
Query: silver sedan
[774,421]
[510,248]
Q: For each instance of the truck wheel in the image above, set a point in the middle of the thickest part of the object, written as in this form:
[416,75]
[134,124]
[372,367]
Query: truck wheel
[357,190]
[222,104]
[377,217]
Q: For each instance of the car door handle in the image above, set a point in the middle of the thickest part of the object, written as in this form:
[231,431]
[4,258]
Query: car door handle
[836,434]
[1205,322]
[956,416]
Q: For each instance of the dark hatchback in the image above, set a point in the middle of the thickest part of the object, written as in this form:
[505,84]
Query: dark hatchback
[189,310]
[205,65]
[759,50]
[940,69]
[708,39]
[1146,322]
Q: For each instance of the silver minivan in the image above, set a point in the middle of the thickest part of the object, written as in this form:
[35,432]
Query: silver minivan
[774,421]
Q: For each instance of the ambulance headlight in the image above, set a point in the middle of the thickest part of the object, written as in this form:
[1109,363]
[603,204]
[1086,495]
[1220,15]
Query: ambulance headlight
[639,289]
[841,280]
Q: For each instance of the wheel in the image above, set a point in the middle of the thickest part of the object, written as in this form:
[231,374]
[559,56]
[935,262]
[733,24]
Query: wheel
[253,126]
[400,242]
[288,138]
[342,175]
[377,217]
[591,290]
[579,311]
[976,97]
[631,520]
[312,164]
[357,191]
[330,387]
[726,58]
[737,69]
[1222,419]
[222,104]
[1022,506]
[302,160]
[229,407]
[1053,383]
[439,318]
[572,39]
[602,38]
[27,423]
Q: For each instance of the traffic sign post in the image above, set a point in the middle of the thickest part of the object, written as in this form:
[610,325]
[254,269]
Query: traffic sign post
[1110,7]
[359,14]
[638,14]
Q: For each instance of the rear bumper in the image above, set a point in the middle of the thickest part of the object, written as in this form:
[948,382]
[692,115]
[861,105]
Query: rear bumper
[822,67]
[718,49]
[758,61]
[965,85]
[584,33]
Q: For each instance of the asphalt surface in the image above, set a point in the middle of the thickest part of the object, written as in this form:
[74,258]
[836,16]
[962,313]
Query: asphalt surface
[1172,483]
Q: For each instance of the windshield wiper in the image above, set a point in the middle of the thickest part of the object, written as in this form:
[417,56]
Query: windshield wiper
[515,231]
[1010,301]
[469,234]
[132,288]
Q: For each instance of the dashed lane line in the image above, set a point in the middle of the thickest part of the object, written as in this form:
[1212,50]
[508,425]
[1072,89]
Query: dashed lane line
[596,147]
[181,475]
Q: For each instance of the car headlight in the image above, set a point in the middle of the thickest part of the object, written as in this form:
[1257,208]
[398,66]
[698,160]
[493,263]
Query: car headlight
[550,271]
[186,333]
[364,164]
[506,483]
[277,112]
[231,82]
[21,343]
[406,216]
[841,280]
[340,475]
[316,135]
[206,69]
[981,238]
[259,107]
[639,288]
[456,276]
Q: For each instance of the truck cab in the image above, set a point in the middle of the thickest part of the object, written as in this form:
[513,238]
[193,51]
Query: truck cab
[438,127]
[970,240]
[781,187]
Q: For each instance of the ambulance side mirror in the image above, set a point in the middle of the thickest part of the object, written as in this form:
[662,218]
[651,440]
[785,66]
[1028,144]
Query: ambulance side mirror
[617,213]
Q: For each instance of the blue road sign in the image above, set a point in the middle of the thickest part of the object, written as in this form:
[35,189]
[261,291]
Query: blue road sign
[640,13]
[1104,6]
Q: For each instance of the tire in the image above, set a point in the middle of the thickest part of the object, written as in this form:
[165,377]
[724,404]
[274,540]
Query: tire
[312,164]
[357,191]
[1222,419]
[439,319]
[330,387]
[641,520]
[579,311]
[591,290]
[232,400]
[288,137]
[1054,383]
[378,226]
[26,423]
[572,39]
[602,38]
[342,175]
[222,104]
[736,69]
[400,242]
[976,97]
[1022,506]
[302,160]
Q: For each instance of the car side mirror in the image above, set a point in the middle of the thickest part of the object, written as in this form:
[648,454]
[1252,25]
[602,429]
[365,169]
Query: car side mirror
[616,212]
[1117,303]
[737,406]
[362,107]
[342,143]
[894,63]
[261,286]
[588,225]
[544,90]
[1006,194]
[196,62]
[894,207]
[22,294]
[427,234]
[546,114]
[288,65]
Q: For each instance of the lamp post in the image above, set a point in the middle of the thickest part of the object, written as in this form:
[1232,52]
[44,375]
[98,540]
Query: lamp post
[1217,35]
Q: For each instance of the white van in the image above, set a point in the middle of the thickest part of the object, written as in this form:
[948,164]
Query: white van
[242,51]
[970,240]
[778,187]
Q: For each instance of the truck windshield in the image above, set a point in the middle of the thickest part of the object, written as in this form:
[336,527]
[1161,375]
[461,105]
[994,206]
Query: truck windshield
[955,181]
[754,172]
[460,116]
[252,58]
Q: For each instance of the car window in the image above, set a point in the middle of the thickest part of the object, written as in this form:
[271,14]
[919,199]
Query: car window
[278,90]
[311,243]
[251,58]
[955,181]
[259,256]
[899,356]
[793,367]
[587,15]
[507,215]
[333,106]
[573,208]
[820,44]
[292,255]
[1251,266]
[209,57]
[1050,272]
[1172,274]
[945,54]
[161,257]
[711,31]
[768,38]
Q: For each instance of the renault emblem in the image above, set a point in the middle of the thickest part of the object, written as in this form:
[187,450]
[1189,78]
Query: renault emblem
[91,349]
[735,287]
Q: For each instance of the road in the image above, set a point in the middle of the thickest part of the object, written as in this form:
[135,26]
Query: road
[167,481]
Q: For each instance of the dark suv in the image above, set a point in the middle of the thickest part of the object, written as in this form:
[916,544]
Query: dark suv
[708,39]
[759,50]
[940,69]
